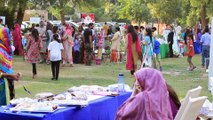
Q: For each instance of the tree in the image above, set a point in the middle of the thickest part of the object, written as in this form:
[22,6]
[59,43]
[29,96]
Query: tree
[134,10]
[201,6]
[209,8]
[97,7]
[110,9]
[185,9]
[61,7]
[8,9]
[166,11]
[22,5]
[55,6]
[194,10]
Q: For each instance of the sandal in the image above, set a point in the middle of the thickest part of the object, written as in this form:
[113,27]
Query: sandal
[34,76]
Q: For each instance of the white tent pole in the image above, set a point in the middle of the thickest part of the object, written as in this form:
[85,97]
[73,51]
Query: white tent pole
[211,59]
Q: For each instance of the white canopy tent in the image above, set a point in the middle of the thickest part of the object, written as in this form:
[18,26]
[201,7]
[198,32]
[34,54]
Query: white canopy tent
[210,84]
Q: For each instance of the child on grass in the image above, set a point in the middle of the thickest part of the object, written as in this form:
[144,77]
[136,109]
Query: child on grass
[156,51]
[181,47]
[76,49]
[55,54]
[157,55]
[190,52]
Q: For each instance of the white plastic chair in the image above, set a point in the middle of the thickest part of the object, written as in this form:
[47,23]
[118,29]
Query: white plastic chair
[193,107]
[191,93]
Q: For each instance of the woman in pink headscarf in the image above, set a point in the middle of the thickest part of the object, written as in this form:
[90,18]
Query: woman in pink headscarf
[17,40]
[150,98]
[68,44]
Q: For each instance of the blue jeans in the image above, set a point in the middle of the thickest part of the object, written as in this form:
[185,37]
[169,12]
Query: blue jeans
[205,54]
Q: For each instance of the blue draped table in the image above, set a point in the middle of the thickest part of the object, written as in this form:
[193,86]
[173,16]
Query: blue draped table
[100,109]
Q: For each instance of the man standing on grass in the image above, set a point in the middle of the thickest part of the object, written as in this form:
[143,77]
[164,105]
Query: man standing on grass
[170,41]
[205,41]
[87,37]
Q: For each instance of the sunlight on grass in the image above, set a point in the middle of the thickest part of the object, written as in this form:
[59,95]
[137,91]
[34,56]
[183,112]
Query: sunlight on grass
[174,71]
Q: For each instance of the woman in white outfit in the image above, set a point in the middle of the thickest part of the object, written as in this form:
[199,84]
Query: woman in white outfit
[68,44]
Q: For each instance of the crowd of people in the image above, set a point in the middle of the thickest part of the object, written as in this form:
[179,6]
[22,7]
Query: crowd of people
[190,42]
[79,44]
[152,98]
[65,44]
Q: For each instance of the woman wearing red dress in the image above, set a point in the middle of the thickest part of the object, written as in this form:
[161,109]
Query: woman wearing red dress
[33,48]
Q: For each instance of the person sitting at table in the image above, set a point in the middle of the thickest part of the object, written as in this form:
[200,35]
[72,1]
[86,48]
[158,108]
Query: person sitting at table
[150,98]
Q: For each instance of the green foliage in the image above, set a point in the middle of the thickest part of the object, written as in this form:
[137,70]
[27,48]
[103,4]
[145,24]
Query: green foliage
[187,12]
[8,8]
[209,8]
[133,10]
[54,11]
[192,17]
[191,11]
[67,7]
[185,8]
[165,10]
[111,10]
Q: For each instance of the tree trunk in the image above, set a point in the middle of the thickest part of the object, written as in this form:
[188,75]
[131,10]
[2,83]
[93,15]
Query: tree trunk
[9,17]
[9,13]
[158,25]
[21,10]
[139,23]
[20,15]
[62,16]
[62,5]
[204,20]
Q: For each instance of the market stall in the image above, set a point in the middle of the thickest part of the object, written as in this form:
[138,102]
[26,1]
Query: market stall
[100,105]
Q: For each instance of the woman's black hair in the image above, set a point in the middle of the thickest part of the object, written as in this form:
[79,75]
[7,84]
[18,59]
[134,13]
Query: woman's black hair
[191,36]
[131,30]
[55,29]
[136,27]
[198,30]
[56,37]
[173,95]
[141,27]
[35,34]
[117,28]
[154,29]
[49,26]
[206,30]
[73,33]
[149,33]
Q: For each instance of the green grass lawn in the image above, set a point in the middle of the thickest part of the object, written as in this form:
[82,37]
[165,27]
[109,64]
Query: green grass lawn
[174,71]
